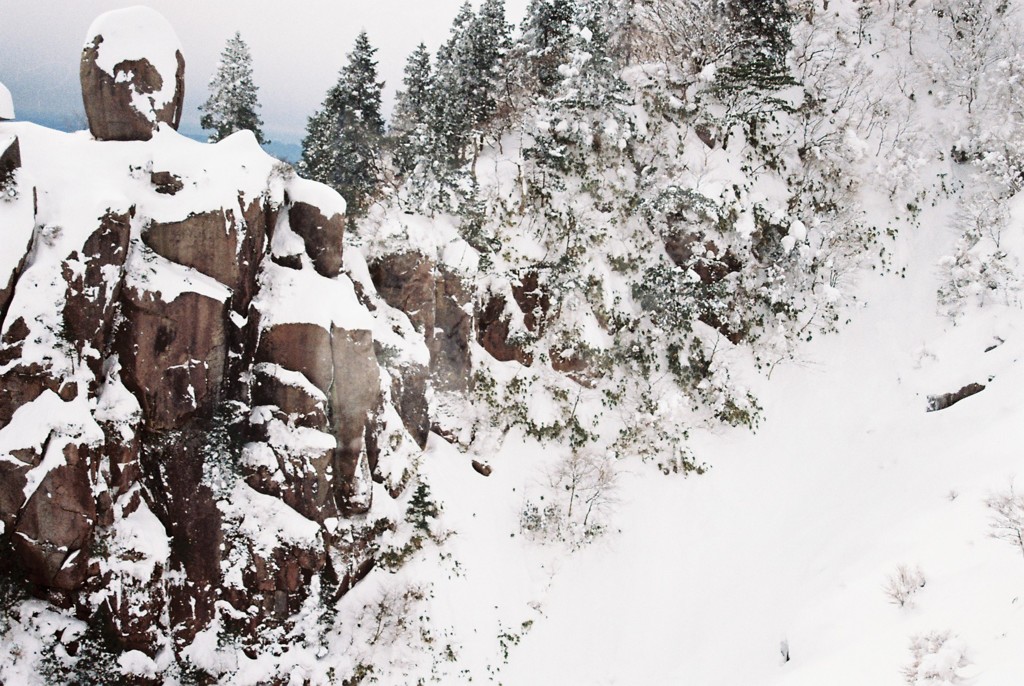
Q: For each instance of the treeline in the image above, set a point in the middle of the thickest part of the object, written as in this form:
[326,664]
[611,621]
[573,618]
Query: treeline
[488,76]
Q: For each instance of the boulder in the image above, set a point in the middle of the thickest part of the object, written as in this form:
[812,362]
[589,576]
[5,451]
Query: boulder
[133,75]
[321,234]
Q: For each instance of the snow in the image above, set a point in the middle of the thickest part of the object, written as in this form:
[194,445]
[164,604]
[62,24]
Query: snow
[316,194]
[138,543]
[267,521]
[136,33]
[6,104]
[155,277]
[302,296]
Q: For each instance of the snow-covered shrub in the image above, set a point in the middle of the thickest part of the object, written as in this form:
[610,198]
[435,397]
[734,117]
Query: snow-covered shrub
[903,584]
[1007,523]
[981,270]
[577,500]
[938,659]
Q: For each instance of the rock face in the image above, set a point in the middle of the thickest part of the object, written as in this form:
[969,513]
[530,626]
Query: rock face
[436,302]
[192,415]
[133,75]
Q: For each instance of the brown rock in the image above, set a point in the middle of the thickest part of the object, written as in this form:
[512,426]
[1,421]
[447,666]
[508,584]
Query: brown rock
[302,348]
[409,394]
[13,480]
[297,405]
[89,298]
[493,333]
[172,465]
[481,468]
[406,282]
[944,400]
[321,235]
[575,366]
[207,242]
[451,364]
[22,384]
[55,527]
[354,395]
[166,183]
[10,161]
[711,266]
[110,99]
[532,300]
[226,245]
[173,355]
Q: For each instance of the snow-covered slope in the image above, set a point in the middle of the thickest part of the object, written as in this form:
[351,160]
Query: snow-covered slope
[787,544]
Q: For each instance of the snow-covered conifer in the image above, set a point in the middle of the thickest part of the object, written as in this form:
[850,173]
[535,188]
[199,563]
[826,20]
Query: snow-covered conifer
[546,37]
[411,132]
[342,142]
[232,105]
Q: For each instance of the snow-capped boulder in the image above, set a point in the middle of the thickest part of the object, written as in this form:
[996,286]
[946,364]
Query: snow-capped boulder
[133,74]
[6,103]
[317,215]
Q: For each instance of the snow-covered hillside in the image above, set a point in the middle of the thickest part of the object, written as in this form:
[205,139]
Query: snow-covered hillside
[694,367]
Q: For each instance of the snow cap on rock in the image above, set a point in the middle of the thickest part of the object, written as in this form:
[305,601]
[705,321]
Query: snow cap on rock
[133,74]
[6,103]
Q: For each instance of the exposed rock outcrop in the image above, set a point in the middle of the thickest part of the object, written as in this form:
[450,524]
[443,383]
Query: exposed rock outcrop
[133,75]
[944,400]
[192,411]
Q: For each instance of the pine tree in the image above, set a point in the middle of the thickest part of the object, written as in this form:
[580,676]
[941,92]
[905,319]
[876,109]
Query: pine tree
[452,120]
[343,139]
[546,36]
[762,31]
[489,42]
[232,105]
[411,131]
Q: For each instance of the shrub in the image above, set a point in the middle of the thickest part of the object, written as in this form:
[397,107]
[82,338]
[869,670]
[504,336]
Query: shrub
[903,584]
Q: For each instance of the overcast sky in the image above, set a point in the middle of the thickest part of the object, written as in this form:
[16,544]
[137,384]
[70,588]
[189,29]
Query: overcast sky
[298,46]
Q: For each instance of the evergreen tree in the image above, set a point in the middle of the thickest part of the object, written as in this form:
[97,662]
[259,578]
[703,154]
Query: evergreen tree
[232,105]
[762,31]
[452,121]
[471,75]
[489,43]
[343,139]
[547,35]
[411,130]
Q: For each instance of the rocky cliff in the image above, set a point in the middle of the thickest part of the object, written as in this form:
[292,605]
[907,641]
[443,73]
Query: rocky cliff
[195,421]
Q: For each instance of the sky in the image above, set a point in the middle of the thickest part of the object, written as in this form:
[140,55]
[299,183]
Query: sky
[297,49]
